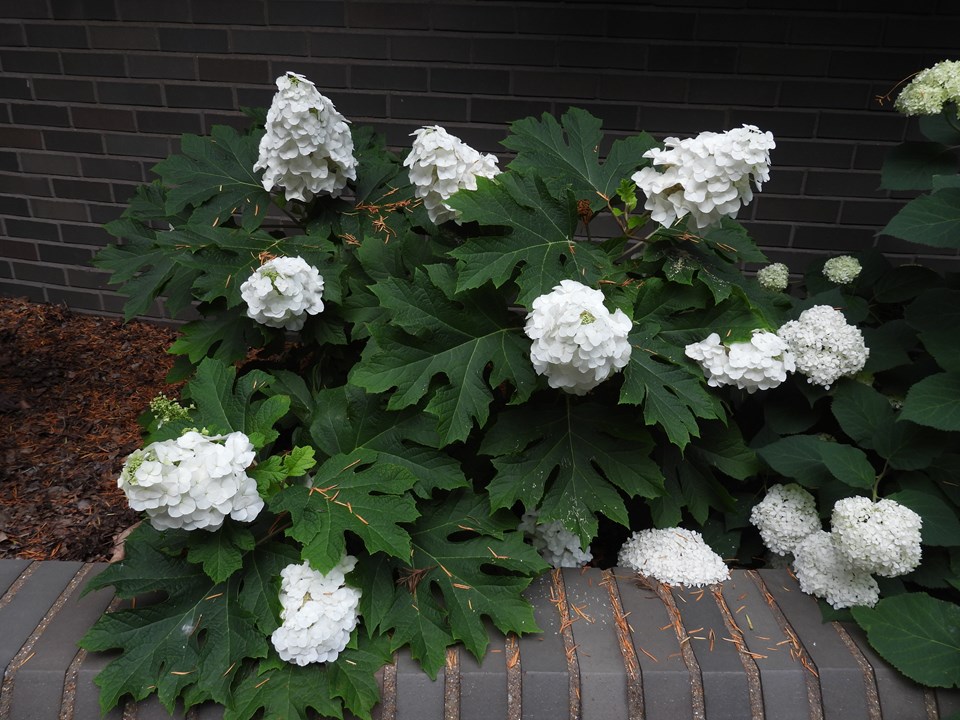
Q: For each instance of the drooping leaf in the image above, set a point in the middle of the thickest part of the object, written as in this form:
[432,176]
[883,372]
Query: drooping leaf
[917,634]
[935,314]
[472,341]
[570,150]
[722,446]
[934,402]
[571,462]
[932,220]
[215,175]
[940,523]
[356,493]
[798,457]
[912,165]
[537,238]
[478,563]
[197,637]
[347,419]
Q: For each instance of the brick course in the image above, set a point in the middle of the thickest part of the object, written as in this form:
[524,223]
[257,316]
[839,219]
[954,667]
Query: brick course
[94,92]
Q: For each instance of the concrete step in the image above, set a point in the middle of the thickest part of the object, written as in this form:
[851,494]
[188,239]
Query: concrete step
[613,647]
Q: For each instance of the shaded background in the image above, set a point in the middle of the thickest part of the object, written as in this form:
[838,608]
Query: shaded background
[94,92]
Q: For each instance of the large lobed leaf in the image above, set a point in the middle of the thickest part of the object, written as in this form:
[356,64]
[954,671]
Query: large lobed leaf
[536,237]
[570,151]
[471,340]
[571,461]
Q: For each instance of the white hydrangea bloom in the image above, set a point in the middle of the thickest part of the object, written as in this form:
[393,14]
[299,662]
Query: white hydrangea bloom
[824,571]
[281,292]
[307,148]
[931,89]
[193,482]
[440,165]
[707,176]
[842,269]
[826,348]
[577,342]
[761,363]
[319,611]
[775,276]
[674,556]
[557,545]
[878,537]
[785,516]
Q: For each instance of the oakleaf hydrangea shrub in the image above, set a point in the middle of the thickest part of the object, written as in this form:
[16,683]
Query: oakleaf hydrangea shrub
[449,380]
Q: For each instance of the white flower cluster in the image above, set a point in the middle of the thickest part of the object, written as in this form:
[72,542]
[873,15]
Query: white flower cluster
[931,89]
[307,148]
[825,347]
[785,516]
[319,611]
[761,363]
[866,538]
[281,291]
[674,556]
[824,571]
[192,482]
[775,276]
[440,165]
[577,342]
[877,537]
[707,176]
[557,545]
[842,269]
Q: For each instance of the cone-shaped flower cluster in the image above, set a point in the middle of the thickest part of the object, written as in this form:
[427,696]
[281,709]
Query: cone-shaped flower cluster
[824,346]
[440,165]
[577,342]
[193,482]
[761,363]
[931,89]
[307,148]
[319,611]
[707,176]
[557,545]
[674,556]
[281,292]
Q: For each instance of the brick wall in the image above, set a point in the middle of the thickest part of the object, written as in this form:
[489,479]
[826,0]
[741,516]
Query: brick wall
[94,92]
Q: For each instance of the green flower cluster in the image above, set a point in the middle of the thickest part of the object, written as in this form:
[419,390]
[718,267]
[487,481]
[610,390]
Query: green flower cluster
[931,89]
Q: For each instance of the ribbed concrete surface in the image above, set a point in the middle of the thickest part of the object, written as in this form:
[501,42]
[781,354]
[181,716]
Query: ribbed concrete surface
[613,647]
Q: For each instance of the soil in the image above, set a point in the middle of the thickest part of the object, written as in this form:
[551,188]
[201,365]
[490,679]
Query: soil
[71,389]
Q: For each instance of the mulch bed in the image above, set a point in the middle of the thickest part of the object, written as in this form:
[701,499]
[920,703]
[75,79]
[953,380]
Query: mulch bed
[71,389]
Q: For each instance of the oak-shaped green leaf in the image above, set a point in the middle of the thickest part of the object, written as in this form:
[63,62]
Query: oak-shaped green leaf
[195,639]
[570,151]
[472,341]
[220,552]
[356,493]
[346,419]
[571,461]
[479,564]
[536,237]
[917,634]
[934,402]
[932,220]
[215,175]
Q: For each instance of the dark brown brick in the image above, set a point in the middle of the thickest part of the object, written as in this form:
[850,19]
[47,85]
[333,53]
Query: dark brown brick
[30,61]
[555,83]
[237,121]
[510,51]
[340,44]
[73,141]
[123,37]
[49,164]
[861,126]
[59,209]
[83,9]
[20,184]
[102,118]
[782,123]
[102,214]
[18,249]
[91,235]
[388,77]
[358,105]
[64,254]
[234,70]
[270,42]
[199,96]
[836,29]
[603,54]
[734,91]
[474,18]
[33,293]
[239,12]
[32,229]
[812,153]
[87,278]
[578,20]
[22,138]
[166,67]
[20,9]
[6,272]
[94,63]
[64,90]
[167,11]
[136,145]
[9,161]
[15,88]
[734,27]
[82,190]
[40,114]
[75,299]
[11,34]
[833,237]
[389,15]
[507,110]
[673,120]
[696,59]
[300,12]
[174,123]
[57,35]
[798,209]
[428,109]
[414,47]
[190,39]
[646,86]
[112,168]
[844,184]
[470,80]
[33,272]
[130,93]
[867,212]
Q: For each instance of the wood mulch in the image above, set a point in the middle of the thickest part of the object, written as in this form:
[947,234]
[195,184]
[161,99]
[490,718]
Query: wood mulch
[71,389]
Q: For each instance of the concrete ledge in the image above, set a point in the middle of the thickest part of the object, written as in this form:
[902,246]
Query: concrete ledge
[613,647]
